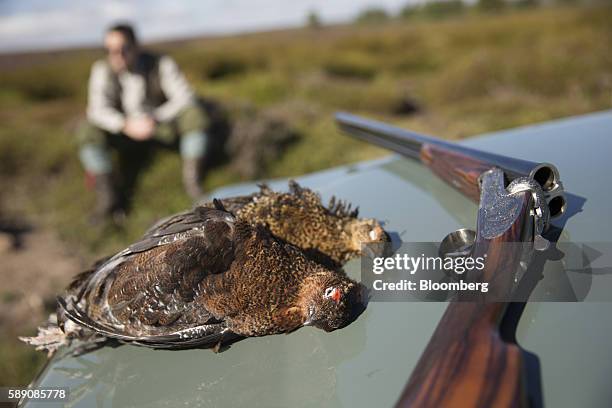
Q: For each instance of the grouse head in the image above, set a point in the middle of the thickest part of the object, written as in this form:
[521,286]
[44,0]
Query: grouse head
[330,301]
[365,231]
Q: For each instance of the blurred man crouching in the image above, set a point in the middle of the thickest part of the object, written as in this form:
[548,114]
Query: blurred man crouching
[136,97]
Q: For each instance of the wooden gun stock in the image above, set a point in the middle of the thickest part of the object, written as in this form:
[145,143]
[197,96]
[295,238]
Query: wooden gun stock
[467,363]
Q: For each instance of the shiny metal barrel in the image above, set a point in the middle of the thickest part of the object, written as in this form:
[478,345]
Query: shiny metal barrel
[410,144]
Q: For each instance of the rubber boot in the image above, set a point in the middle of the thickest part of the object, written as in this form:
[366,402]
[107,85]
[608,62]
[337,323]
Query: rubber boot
[192,178]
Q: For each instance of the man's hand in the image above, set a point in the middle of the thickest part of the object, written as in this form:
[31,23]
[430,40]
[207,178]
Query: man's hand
[141,128]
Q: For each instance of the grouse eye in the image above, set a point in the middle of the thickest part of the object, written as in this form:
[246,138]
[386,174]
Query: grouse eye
[333,294]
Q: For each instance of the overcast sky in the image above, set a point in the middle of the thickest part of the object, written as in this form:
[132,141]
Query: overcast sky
[39,24]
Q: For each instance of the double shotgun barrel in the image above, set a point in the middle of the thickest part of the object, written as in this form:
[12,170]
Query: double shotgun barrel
[458,165]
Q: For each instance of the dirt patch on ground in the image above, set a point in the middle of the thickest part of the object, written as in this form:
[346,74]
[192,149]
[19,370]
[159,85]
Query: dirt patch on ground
[34,269]
[31,276]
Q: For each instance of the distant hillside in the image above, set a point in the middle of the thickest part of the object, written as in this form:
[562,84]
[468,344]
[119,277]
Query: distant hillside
[454,78]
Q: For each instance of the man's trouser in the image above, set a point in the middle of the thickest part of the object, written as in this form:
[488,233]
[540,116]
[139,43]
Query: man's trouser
[96,144]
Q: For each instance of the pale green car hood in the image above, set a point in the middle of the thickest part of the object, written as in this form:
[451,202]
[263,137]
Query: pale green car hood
[367,363]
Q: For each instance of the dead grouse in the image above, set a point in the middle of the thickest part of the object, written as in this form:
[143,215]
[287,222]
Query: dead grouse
[201,281]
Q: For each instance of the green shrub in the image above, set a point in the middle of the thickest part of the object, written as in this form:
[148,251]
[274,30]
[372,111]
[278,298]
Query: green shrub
[473,75]
[18,361]
[381,96]
[409,11]
[490,5]
[433,9]
[372,15]
[42,84]
[313,20]
[352,65]
[224,67]
[62,78]
[442,8]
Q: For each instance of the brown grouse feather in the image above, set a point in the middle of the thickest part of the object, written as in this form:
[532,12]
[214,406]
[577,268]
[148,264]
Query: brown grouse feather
[202,280]
[330,234]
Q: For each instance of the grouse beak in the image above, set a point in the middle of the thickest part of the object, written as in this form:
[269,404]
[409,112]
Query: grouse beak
[376,247]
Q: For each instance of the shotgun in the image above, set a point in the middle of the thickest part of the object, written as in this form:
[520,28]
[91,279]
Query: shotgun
[467,362]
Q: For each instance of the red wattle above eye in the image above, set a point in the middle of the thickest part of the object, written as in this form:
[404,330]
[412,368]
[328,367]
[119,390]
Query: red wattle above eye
[336,295]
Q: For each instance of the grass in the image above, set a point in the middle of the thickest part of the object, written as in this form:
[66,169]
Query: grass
[468,74]
[18,363]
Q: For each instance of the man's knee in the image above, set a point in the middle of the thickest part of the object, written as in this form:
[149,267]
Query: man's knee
[192,118]
[191,124]
[87,133]
[94,153]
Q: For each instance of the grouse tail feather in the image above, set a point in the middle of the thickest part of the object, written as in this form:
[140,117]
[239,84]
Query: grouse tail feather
[49,338]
